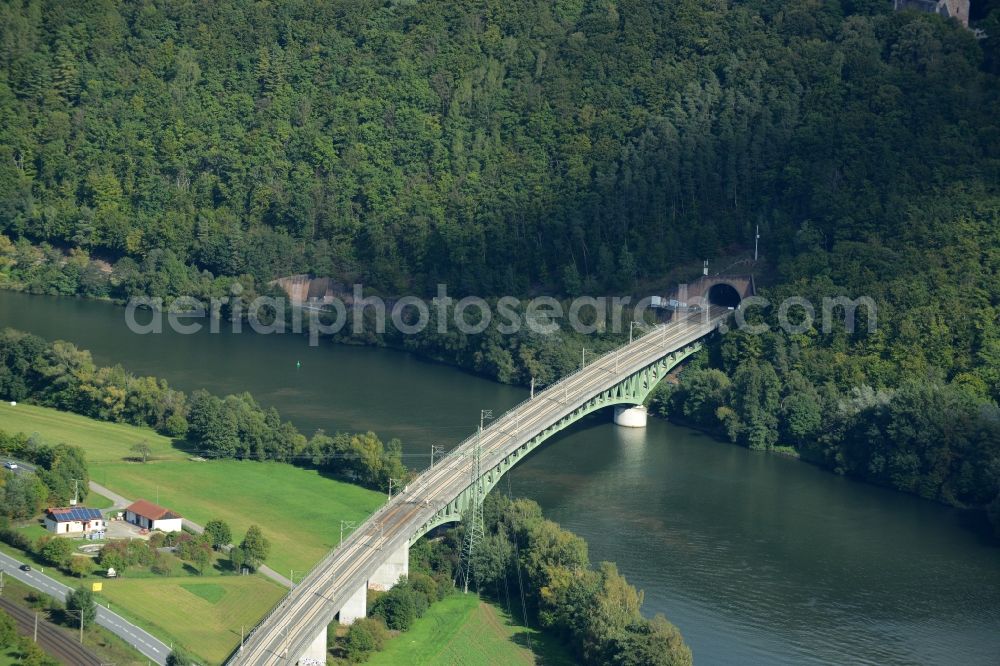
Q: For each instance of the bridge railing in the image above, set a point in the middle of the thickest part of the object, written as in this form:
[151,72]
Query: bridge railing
[469,442]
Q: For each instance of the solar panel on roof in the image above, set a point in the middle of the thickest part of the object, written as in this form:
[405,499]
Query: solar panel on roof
[78,513]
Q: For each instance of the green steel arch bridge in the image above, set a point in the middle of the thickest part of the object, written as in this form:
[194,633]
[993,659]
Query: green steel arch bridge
[376,554]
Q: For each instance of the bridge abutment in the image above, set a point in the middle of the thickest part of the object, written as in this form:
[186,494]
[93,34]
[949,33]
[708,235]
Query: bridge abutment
[316,654]
[631,417]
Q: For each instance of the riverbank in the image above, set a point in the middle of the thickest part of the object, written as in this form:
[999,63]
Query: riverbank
[786,419]
[716,536]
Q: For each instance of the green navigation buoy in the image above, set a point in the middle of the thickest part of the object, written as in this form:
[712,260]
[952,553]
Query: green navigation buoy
[298,364]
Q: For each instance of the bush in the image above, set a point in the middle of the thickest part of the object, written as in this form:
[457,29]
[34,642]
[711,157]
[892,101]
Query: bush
[400,606]
[8,630]
[54,550]
[161,565]
[365,636]
[179,657]
[16,539]
[31,655]
[112,556]
[174,538]
[81,566]
[425,585]
[81,600]
[138,553]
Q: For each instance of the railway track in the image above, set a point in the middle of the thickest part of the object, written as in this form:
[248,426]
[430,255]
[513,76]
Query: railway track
[54,641]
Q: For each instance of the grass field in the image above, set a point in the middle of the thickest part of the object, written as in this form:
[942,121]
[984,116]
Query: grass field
[298,510]
[205,617]
[97,501]
[461,629]
[104,442]
[203,613]
[210,592]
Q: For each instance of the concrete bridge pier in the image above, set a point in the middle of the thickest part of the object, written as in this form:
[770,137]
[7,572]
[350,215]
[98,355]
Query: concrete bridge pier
[631,417]
[316,654]
[396,565]
[356,606]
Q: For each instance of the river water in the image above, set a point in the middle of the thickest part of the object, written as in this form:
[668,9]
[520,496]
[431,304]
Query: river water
[757,558]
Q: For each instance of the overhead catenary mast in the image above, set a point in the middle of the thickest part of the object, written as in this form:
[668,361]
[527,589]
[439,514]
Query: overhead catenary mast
[475,529]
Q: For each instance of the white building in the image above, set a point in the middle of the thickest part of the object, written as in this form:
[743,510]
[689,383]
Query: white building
[74,520]
[152,517]
[956,9]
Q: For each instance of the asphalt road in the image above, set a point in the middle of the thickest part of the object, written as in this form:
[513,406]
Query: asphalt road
[291,626]
[54,641]
[131,634]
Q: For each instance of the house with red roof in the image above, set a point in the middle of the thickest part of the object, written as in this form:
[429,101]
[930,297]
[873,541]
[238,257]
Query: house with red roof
[152,516]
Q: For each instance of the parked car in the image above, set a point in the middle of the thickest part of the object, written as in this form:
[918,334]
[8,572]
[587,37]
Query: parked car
[10,464]
[25,567]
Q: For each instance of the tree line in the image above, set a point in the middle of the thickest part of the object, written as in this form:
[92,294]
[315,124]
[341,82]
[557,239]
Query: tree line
[60,375]
[61,474]
[926,436]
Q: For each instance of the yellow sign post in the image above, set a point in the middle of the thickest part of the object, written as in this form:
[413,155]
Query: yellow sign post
[96,587]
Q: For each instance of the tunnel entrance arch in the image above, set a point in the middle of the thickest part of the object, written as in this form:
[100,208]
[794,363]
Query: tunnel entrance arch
[725,295]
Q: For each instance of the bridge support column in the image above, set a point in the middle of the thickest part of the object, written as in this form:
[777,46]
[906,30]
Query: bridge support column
[316,654]
[631,417]
[395,566]
[356,607]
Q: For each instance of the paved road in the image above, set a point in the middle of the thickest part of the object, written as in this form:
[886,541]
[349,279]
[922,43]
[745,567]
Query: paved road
[54,641]
[119,501]
[291,626]
[141,640]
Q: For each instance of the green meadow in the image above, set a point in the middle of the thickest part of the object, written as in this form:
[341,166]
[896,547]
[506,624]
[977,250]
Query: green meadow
[298,509]
[462,629]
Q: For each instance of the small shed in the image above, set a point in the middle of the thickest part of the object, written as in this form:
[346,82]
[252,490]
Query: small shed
[152,516]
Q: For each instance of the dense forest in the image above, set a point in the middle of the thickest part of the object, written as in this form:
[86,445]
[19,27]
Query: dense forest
[561,146]
[573,144]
